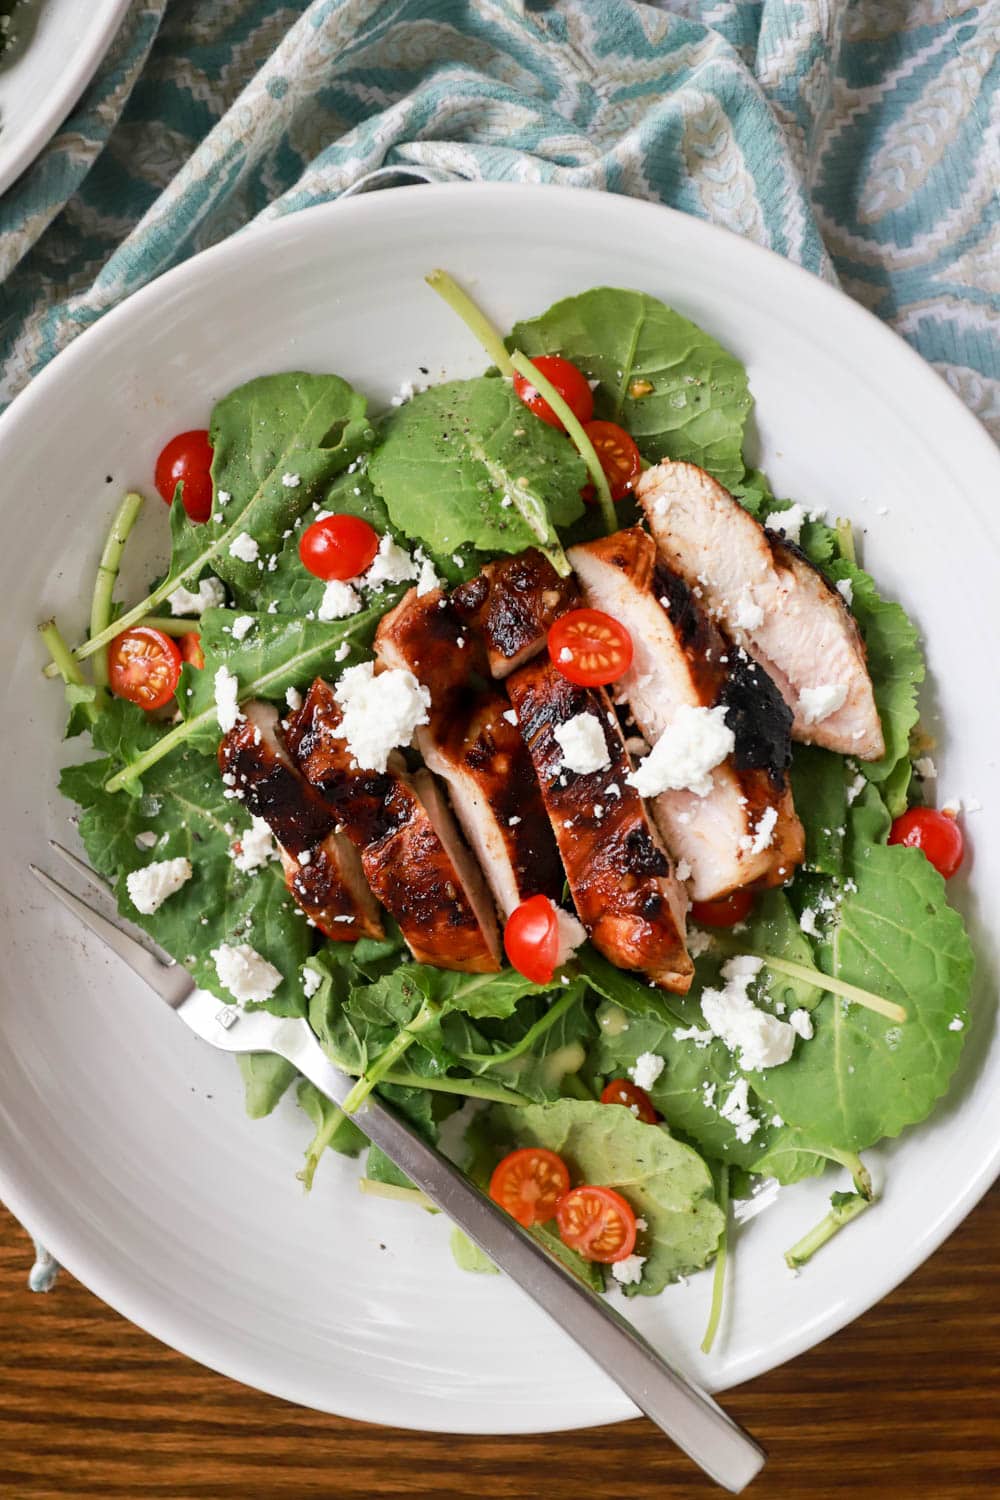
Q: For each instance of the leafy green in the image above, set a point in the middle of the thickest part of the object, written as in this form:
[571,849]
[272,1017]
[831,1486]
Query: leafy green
[266,1076]
[665,1182]
[334,1131]
[699,399]
[819,786]
[534,1050]
[455,453]
[469,1257]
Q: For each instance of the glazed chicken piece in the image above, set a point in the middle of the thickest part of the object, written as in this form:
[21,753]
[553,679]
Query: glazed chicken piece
[620,876]
[322,868]
[411,852]
[472,743]
[511,604]
[772,601]
[680,657]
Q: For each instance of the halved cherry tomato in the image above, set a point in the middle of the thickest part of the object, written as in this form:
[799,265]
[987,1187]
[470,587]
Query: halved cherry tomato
[620,459]
[187,461]
[143,666]
[191,651]
[531,939]
[934,833]
[338,547]
[529,1183]
[624,1091]
[597,1223]
[725,913]
[589,647]
[570,382]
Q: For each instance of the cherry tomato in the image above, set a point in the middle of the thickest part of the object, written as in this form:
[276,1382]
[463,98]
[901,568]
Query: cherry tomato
[624,1091]
[725,913]
[529,1183]
[937,835]
[597,1223]
[570,382]
[589,647]
[338,547]
[143,666]
[531,939]
[620,459]
[191,652]
[187,461]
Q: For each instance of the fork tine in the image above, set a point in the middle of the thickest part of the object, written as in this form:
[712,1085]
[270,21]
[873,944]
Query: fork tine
[81,866]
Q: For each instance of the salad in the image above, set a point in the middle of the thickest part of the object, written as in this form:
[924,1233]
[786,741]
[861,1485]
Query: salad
[523,741]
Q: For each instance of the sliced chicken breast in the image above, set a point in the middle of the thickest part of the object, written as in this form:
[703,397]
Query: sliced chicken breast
[511,604]
[620,876]
[322,868]
[772,601]
[471,743]
[410,850]
[680,658]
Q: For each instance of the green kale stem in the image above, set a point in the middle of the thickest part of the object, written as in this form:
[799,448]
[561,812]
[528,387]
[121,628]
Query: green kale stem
[473,317]
[319,1143]
[376,1189]
[719,1275]
[574,429]
[843,1208]
[66,665]
[531,1036]
[845,540]
[573,1087]
[107,575]
[170,625]
[469,1088]
[823,981]
[859,1172]
[404,1039]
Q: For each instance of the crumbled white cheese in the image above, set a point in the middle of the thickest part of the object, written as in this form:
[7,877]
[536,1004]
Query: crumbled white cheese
[698,941]
[293,698]
[211,594]
[427,579]
[456,558]
[244,547]
[845,588]
[311,981]
[148,888]
[406,392]
[145,840]
[581,740]
[693,1034]
[242,626]
[343,651]
[339,600]
[855,789]
[747,614]
[244,973]
[628,1270]
[392,564]
[801,1023]
[736,1110]
[788,523]
[510,714]
[572,935]
[925,768]
[646,1069]
[291,481]
[227,691]
[223,498]
[818,703]
[956,1024]
[807,922]
[763,834]
[256,847]
[683,758]
[565,654]
[762,1040]
[380,712]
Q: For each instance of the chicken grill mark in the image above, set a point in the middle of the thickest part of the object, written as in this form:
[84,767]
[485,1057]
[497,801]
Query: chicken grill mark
[511,604]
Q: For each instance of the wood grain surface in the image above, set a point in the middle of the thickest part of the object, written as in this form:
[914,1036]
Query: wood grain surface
[903,1404]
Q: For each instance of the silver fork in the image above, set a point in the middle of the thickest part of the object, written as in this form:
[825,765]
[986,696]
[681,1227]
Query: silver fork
[684,1412]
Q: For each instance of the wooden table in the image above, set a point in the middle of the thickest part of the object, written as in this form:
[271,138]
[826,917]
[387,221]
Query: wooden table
[903,1404]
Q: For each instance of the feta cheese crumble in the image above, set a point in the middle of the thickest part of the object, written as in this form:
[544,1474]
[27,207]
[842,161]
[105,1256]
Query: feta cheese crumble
[818,703]
[343,651]
[646,1069]
[256,847]
[801,1023]
[311,981]
[925,768]
[244,973]
[291,481]
[572,935]
[145,840]
[227,707]
[211,595]
[736,1110]
[628,1271]
[392,564]
[762,1040]
[293,698]
[686,753]
[581,740]
[339,600]
[242,626]
[148,888]
[380,712]
[787,523]
[427,579]
[845,588]
[510,714]
[763,834]
[244,547]
[747,615]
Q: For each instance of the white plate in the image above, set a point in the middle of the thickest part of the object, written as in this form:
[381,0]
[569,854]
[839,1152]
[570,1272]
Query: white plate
[122,1140]
[41,85]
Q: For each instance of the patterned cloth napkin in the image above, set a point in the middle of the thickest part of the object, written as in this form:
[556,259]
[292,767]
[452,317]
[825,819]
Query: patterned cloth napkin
[860,138]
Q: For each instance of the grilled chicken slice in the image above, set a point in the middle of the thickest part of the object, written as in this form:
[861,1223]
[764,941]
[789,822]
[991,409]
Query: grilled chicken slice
[772,601]
[322,868]
[620,876]
[511,605]
[680,657]
[472,745]
[410,850]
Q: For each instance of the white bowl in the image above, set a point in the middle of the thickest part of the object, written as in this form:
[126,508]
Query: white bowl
[122,1140]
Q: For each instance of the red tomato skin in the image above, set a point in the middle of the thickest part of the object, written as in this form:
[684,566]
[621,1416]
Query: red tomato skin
[937,836]
[136,658]
[338,547]
[620,458]
[187,460]
[524,1207]
[600,647]
[623,1091]
[570,382]
[531,939]
[732,909]
[614,1205]
[191,652]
